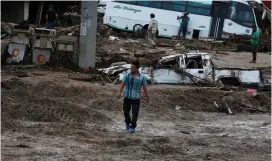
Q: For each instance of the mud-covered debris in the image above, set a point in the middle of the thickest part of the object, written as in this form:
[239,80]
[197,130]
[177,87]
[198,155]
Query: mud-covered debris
[150,54]
[132,41]
[18,146]
[21,74]
[8,28]
[221,53]
[112,38]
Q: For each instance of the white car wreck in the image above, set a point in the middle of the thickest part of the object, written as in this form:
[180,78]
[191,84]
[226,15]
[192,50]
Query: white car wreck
[192,68]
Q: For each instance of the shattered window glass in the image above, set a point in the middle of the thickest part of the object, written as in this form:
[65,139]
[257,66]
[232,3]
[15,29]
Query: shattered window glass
[170,62]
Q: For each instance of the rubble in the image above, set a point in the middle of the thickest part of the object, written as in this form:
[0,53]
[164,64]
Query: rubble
[112,38]
[7,27]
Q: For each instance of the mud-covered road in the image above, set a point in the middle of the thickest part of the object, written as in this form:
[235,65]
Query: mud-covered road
[48,116]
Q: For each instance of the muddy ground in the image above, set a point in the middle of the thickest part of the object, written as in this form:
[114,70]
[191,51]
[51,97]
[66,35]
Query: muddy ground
[50,113]
[46,115]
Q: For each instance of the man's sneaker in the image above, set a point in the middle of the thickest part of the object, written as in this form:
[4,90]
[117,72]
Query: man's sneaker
[127,127]
[252,61]
[132,130]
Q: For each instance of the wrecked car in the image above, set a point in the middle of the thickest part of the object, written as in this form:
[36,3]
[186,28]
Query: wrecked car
[192,68]
[120,69]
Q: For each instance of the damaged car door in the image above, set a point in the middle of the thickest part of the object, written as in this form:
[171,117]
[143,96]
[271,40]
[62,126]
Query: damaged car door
[169,70]
[197,67]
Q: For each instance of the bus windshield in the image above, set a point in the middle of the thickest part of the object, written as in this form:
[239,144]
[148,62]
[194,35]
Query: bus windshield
[241,14]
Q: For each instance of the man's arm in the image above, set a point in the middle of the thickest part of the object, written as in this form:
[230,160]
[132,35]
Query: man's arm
[122,86]
[150,25]
[145,89]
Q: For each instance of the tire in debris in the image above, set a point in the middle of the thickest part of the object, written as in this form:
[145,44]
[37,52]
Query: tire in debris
[137,29]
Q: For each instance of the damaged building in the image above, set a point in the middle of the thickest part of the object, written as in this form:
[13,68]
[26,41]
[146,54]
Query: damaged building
[32,11]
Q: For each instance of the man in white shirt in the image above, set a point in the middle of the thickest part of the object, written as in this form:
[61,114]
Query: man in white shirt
[152,29]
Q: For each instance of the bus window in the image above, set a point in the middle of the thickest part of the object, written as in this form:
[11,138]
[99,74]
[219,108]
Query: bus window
[130,2]
[143,3]
[173,6]
[201,11]
[152,4]
[249,16]
[241,14]
[200,4]
[180,2]
[127,2]
[199,7]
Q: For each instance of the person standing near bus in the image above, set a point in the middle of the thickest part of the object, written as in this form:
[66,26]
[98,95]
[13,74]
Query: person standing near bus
[152,29]
[133,81]
[184,20]
[51,17]
[254,43]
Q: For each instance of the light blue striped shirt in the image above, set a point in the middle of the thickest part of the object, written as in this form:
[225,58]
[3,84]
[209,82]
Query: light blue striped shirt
[134,85]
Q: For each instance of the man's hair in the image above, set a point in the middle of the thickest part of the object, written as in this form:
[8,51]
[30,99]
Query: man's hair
[152,15]
[51,6]
[136,62]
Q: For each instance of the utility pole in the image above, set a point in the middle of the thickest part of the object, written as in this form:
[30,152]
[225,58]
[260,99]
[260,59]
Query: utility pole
[88,28]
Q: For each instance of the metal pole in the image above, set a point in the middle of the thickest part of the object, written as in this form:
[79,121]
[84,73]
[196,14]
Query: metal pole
[87,47]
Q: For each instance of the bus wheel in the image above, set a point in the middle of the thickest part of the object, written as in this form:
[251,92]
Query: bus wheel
[137,29]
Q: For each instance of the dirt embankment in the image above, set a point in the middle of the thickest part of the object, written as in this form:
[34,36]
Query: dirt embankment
[51,101]
[49,115]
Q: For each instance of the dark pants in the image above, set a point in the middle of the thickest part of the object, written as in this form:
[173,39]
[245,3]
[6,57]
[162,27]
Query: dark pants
[51,25]
[254,51]
[135,104]
[183,30]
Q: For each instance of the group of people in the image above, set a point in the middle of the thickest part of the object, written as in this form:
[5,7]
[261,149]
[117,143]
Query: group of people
[183,28]
[133,81]
[153,26]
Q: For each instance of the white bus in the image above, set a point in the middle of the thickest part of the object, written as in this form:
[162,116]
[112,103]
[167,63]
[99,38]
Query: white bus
[208,19]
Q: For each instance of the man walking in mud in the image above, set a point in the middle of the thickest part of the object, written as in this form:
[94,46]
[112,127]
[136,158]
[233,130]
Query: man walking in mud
[133,81]
[254,43]
[184,20]
[152,29]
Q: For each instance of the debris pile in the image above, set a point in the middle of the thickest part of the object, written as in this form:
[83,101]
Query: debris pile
[242,43]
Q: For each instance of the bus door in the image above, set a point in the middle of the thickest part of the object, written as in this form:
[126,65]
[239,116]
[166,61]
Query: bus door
[218,14]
